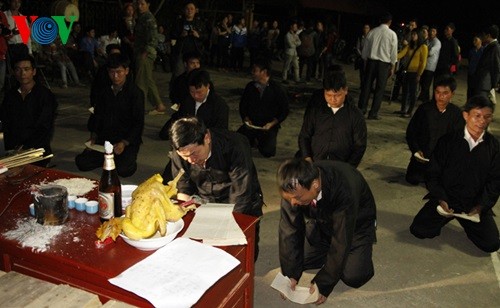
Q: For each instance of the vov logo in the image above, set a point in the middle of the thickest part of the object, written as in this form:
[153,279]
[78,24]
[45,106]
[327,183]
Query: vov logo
[44,30]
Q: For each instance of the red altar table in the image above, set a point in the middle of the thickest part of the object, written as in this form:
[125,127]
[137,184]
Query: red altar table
[74,259]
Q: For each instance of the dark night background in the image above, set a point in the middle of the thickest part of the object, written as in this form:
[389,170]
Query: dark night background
[348,15]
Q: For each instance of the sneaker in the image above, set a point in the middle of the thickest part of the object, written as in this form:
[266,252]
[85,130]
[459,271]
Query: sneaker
[64,86]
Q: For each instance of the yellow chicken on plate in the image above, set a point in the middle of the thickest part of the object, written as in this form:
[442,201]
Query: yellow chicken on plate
[149,211]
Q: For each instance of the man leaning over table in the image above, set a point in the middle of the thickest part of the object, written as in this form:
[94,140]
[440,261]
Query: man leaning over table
[218,167]
[28,110]
[118,118]
[328,217]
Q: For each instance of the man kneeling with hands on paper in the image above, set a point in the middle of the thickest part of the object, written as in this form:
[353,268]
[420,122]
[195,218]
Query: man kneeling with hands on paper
[328,217]
[464,177]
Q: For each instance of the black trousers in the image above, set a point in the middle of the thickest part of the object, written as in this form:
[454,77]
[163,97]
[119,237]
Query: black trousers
[264,140]
[358,267]
[376,71]
[126,163]
[425,86]
[484,234]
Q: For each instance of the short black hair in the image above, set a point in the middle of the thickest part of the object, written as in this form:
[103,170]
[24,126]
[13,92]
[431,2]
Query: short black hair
[198,78]
[335,81]
[110,47]
[385,17]
[186,131]
[296,172]
[23,57]
[335,78]
[191,55]
[117,60]
[492,30]
[446,81]
[263,64]
[478,101]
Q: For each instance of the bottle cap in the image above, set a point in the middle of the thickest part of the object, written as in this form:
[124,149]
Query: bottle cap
[108,147]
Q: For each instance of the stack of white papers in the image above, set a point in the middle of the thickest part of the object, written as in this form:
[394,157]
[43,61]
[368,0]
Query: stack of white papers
[178,274]
[215,225]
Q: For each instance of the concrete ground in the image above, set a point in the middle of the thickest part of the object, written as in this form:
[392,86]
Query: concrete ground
[448,271]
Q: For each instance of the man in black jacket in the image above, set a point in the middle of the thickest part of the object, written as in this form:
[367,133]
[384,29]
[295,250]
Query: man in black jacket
[218,166]
[188,33]
[28,110]
[203,103]
[118,118]
[464,177]
[333,127]
[431,121]
[487,74]
[328,217]
[263,106]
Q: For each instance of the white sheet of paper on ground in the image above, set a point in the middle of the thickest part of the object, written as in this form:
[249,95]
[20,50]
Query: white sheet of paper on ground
[420,157]
[473,218]
[301,295]
[178,274]
[95,147]
[214,224]
[253,126]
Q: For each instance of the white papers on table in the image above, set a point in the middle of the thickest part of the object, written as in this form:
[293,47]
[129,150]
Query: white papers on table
[473,218]
[95,147]
[301,295]
[214,224]
[178,274]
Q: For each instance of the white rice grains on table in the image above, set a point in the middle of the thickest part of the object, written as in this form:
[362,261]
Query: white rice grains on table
[76,186]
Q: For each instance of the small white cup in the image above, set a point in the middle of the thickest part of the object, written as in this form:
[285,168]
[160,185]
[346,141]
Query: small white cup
[91,206]
[80,204]
[71,201]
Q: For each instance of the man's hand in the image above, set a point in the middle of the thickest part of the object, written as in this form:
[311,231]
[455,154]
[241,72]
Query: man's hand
[445,206]
[475,210]
[293,284]
[119,147]
[270,125]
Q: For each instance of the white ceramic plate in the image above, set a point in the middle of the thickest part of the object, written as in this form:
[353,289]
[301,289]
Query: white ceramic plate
[157,241]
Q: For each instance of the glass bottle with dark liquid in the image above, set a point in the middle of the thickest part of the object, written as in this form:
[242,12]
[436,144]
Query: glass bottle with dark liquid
[110,190]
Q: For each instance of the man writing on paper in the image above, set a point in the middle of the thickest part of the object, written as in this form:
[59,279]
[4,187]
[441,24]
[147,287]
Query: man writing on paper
[464,176]
[328,217]
[218,166]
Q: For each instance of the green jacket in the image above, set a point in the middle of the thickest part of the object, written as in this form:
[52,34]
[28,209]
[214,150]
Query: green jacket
[146,35]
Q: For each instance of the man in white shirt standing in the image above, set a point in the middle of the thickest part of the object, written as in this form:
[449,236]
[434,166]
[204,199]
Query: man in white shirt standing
[432,60]
[380,56]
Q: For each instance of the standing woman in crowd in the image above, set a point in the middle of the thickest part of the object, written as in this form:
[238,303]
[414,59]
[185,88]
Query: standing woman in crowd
[223,41]
[416,51]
